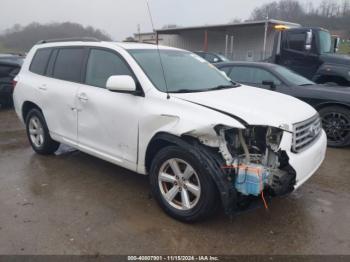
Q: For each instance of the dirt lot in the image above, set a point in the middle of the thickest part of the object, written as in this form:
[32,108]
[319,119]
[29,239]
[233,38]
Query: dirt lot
[73,203]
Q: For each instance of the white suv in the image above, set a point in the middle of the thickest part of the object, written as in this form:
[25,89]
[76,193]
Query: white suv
[168,113]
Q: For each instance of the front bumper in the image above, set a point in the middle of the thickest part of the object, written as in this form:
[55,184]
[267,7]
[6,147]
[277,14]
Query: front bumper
[305,163]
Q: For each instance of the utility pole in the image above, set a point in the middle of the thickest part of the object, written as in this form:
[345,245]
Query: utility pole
[226,44]
[139,31]
[232,38]
[265,36]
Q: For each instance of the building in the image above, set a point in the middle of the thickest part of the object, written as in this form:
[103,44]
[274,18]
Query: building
[248,41]
[150,37]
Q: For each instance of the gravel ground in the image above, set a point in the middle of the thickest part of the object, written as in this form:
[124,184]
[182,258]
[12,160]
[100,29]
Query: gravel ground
[72,203]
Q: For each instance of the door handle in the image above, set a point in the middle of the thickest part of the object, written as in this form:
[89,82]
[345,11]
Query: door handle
[42,88]
[82,97]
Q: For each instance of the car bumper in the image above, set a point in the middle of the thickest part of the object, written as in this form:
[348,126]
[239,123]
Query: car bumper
[306,163]
[6,91]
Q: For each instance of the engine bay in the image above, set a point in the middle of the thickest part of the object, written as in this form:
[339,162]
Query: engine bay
[255,162]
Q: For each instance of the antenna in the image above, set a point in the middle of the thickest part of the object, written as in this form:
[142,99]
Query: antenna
[160,57]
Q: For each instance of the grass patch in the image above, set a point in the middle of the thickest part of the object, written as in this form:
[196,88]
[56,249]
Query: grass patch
[4,49]
[344,48]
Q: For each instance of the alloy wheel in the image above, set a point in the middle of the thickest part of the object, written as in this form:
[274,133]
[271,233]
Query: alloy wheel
[337,126]
[179,184]
[36,132]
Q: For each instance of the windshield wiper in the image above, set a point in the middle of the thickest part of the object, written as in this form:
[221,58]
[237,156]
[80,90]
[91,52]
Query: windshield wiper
[186,91]
[220,87]
[306,85]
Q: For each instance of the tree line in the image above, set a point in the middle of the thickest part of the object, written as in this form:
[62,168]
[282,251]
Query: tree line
[22,38]
[331,14]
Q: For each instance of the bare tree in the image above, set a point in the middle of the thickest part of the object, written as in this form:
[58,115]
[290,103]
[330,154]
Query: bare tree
[329,14]
[235,21]
[284,9]
[345,8]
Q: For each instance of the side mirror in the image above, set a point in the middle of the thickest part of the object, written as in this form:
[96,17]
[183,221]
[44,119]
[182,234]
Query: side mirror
[122,83]
[271,84]
[215,60]
[308,40]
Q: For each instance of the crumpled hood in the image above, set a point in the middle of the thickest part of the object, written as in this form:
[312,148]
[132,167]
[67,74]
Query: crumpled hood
[253,105]
[336,59]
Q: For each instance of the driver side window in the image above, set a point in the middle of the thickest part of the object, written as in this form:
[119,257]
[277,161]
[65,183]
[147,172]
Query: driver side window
[296,41]
[101,65]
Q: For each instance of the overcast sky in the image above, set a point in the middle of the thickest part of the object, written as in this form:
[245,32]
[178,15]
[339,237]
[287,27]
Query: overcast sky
[119,18]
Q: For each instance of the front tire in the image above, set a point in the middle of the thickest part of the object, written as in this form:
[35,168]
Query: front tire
[336,123]
[181,186]
[38,133]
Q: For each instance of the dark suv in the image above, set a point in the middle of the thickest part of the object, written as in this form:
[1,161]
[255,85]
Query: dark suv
[9,67]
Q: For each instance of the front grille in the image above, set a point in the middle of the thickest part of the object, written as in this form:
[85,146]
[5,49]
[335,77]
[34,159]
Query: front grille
[305,133]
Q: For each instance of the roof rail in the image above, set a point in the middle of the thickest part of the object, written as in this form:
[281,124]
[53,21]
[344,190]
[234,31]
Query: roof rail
[71,39]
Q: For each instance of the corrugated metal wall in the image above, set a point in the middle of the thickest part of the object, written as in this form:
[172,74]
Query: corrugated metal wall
[247,41]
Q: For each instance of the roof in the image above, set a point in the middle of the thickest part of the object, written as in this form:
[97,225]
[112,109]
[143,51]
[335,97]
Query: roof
[145,33]
[136,45]
[124,45]
[14,63]
[224,27]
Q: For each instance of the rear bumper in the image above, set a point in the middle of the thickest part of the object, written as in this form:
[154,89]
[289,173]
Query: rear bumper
[307,162]
[6,91]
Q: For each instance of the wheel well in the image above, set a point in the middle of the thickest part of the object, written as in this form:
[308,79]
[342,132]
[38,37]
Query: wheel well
[336,79]
[212,162]
[321,106]
[27,106]
[156,144]
[162,140]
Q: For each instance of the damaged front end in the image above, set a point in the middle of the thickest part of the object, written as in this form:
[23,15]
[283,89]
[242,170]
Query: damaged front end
[254,164]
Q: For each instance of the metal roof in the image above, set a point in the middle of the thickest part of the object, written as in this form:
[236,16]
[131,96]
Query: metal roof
[224,27]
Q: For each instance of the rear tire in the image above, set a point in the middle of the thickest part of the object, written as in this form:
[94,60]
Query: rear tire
[38,133]
[336,123]
[195,195]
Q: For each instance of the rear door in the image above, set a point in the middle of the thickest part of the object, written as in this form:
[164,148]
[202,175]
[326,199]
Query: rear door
[60,88]
[108,121]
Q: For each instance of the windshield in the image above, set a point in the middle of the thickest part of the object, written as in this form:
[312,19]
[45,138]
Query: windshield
[325,42]
[184,71]
[292,77]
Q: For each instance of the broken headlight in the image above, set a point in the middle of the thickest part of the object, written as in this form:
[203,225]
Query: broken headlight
[274,137]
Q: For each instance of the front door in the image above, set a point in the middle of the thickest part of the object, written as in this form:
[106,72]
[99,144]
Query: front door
[108,121]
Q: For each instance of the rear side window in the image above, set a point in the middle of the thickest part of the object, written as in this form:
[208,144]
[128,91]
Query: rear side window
[68,64]
[103,64]
[40,60]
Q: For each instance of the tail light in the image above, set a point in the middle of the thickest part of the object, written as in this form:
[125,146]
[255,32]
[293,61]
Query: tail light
[14,83]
